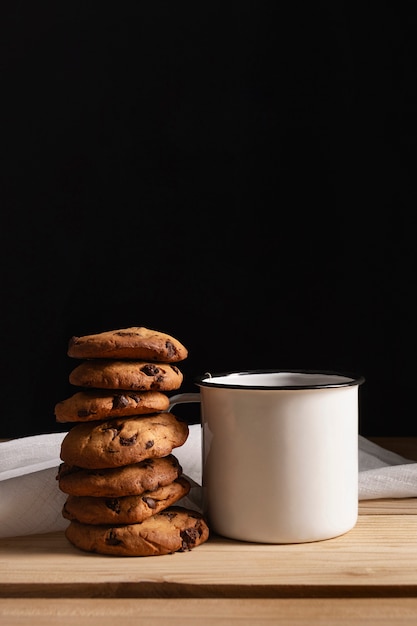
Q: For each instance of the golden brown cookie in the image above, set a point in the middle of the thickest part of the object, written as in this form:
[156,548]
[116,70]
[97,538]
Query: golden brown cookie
[124,509]
[128,375]
[96,404]
[176,529]
[128,480]
[137,343]
[122,441]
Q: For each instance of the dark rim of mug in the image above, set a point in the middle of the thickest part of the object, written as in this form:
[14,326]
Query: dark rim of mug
[352,379]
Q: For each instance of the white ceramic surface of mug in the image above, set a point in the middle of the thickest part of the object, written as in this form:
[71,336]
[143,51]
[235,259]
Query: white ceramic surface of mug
[280,454]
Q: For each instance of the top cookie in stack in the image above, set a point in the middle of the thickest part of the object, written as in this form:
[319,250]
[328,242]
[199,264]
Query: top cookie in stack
[128,343]
[125,431]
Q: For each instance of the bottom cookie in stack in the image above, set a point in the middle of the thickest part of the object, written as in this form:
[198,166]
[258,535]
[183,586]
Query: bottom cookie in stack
[174,529]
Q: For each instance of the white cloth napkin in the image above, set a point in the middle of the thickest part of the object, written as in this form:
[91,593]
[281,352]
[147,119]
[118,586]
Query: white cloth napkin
[385,474]
[31,502]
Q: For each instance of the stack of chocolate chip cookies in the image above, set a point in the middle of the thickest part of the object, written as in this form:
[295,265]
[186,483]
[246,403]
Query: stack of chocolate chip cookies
[122,480]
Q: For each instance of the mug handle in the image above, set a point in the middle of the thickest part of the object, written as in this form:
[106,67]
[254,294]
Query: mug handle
[183,398]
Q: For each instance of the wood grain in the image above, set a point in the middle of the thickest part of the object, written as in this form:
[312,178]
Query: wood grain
[205,612]
[377,558]
[388,506]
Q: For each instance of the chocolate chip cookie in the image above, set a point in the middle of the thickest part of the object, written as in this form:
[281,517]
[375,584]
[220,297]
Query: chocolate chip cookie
[122,441]
[128,480]
[176,529]
[96,404]
[137,343]
[124,509]
[127,375]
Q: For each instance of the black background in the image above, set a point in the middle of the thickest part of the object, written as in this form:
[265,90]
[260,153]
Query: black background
[238,174]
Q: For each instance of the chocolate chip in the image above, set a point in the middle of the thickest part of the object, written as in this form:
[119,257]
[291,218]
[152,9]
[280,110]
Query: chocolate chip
[119,402]
[128,441]
[113,504]
[169,514]
[189,537]
[134,397]
[149,444]
[112,538]
[150,370]
[149,501]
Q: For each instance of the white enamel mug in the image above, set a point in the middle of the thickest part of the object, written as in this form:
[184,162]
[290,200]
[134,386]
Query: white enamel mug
[279,454]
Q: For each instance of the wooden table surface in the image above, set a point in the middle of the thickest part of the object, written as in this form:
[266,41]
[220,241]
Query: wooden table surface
[368,574]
